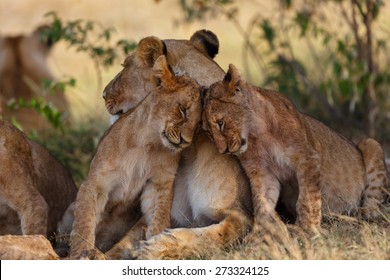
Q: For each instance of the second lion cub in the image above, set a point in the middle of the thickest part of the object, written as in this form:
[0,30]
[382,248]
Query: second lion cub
[138,158]
[289,154]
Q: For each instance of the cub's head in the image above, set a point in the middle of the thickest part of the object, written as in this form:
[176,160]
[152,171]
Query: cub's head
[177,110]
[225,114]
[193,58]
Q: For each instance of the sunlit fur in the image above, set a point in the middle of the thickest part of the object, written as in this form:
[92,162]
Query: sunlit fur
[26,247]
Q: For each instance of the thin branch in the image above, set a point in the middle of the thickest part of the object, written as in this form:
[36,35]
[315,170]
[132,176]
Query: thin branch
[372,104]
[247,41]
[355,30]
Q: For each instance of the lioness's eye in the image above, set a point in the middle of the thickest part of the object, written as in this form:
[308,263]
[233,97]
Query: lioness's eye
[221,124]
[183,111]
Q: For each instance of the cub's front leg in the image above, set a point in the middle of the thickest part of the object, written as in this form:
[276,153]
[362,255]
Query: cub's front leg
[19,192]
[265,189]
[90,203]
[309,198]
[124,249]
[156,203]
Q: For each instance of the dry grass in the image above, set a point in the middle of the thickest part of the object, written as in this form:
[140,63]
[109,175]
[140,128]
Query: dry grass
[343,238]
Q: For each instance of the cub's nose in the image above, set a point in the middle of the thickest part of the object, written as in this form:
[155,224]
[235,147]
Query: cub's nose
[104,95]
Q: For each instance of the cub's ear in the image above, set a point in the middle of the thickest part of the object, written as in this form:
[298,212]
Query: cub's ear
[233,80]
[162,73]
[206,42]
[148,50]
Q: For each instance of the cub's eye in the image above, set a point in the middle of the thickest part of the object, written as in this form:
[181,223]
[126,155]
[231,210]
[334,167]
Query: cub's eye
[221,125]
[183,111]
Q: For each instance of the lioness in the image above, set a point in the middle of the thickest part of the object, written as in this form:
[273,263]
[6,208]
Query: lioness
[35,189]
[212,203]
[23,67]
[138,157]
[288,154]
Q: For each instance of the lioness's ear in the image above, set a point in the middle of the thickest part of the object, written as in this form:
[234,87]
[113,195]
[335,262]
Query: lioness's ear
[148,50]
[233,79]
[162,73]
[206,42]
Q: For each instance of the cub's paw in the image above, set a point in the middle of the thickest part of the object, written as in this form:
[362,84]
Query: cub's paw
[120,253]
[368,213]
[161,246]
[92,254]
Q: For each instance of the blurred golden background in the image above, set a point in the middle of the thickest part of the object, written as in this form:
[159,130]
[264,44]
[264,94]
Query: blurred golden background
[131,20]
[306,49]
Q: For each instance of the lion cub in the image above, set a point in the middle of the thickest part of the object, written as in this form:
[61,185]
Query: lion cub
[138,158]
[35,189]
[279,146]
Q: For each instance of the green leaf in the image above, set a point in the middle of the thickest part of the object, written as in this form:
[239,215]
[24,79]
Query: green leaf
[268,31]
[345,87]
[303,20]
[337,69]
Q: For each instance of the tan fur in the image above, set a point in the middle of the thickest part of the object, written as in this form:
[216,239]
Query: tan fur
[288,154]
[376,179]
[23,66]
[35,189]
[138,158]
[212,205]
[27,247]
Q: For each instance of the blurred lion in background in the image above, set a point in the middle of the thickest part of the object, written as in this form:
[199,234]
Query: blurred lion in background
[23,68]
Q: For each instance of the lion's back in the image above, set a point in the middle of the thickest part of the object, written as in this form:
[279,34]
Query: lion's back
[24,158]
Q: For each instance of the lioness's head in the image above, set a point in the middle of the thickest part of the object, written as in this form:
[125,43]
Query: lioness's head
[177,112]
[224,114]
[23,68]
[192,57]
[23,60]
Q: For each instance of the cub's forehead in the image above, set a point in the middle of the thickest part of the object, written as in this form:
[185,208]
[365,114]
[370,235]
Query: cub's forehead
[219,108]
[215,107]
[188,85]
[217,90]
[186,81]
[187,93]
